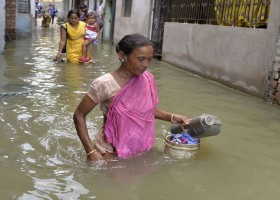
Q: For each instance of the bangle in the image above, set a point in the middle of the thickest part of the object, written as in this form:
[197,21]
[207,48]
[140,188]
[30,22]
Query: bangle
[59,53]
[94,150]
[171,119]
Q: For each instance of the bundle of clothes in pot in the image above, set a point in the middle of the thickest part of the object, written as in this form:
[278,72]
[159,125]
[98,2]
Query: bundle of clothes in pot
[183,138]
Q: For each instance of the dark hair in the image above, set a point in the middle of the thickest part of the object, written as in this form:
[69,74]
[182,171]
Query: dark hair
[73,11]
[83,6]
[131,42]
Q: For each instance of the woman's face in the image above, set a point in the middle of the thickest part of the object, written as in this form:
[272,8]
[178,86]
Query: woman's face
[139,60]
[74,19]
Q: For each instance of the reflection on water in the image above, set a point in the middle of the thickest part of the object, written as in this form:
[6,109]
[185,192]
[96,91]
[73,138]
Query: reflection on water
[42,157]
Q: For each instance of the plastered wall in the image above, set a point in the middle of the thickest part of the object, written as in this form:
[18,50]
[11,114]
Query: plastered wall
[139,22]
[2,24]
[238,57]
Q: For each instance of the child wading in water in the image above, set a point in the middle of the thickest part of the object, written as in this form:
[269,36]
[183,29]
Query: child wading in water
[92,34]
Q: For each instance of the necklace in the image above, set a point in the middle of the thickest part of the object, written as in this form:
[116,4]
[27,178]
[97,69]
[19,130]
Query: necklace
[124,75]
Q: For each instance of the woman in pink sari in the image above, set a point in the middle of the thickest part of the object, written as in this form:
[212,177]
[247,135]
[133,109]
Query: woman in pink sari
[128,99]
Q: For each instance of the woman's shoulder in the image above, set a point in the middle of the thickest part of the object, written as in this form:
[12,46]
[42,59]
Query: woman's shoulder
[104,79]
[64,25]
[104,87]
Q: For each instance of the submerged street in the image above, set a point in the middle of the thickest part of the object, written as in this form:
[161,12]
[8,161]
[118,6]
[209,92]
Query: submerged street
[42,157]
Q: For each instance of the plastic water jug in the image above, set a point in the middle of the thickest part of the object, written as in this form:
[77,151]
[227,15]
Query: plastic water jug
[201,126]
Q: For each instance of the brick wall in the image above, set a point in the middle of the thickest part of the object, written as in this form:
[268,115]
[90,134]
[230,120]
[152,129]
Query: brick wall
[274,76]
[10,19]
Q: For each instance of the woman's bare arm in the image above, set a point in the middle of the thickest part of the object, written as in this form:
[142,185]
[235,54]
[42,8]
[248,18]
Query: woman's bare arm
[79,117]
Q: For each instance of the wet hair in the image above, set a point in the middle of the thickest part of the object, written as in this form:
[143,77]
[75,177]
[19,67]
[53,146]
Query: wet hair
[73,11]
[83,6]
[131,42]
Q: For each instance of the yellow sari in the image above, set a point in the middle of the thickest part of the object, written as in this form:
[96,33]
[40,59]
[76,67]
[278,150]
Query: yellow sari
[75,39]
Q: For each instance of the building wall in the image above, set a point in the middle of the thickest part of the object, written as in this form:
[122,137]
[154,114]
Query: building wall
[238,57]
[107,18]
[10,22]
[32,15]
[139,22]
[2,24]
[24,18]
[23,25]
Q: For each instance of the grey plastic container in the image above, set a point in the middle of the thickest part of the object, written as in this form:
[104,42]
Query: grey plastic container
[201,126]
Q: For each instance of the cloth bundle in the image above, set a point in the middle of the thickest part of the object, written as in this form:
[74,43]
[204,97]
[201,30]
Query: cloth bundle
[183,138]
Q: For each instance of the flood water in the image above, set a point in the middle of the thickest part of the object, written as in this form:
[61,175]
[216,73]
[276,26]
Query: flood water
[42,158]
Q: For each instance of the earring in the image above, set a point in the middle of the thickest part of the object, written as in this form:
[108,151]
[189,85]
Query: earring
[122,60]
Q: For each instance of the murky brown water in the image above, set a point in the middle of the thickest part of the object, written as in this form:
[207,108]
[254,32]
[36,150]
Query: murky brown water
[42,157]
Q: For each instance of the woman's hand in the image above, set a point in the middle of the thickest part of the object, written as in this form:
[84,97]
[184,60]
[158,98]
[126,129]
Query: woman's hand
[175,118]
[58,57]
[96,156]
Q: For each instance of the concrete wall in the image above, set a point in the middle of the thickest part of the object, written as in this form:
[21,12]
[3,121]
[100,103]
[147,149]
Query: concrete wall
[238,57]
[2,24]
[25,22]
[32,13]
[139,22]
[107,22]
[23,25]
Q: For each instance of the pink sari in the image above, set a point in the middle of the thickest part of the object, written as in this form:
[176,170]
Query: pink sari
[131,117]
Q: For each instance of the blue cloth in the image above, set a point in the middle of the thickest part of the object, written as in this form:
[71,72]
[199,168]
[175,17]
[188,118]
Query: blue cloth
[183,138]
[52,11]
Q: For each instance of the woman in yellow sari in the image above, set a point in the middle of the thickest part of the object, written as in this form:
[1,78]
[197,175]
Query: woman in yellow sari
[72,35]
